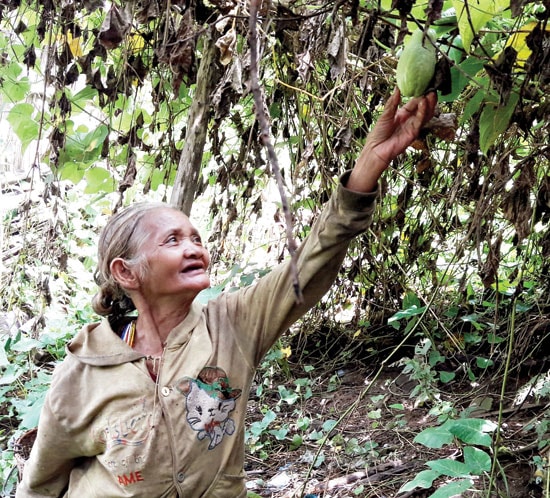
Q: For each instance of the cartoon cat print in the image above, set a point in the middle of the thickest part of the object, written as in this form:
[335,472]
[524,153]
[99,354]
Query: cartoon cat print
[210,401]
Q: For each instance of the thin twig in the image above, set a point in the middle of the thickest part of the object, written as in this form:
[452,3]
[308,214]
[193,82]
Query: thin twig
[266,141]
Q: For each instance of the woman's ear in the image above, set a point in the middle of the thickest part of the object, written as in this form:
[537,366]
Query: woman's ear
[123,274]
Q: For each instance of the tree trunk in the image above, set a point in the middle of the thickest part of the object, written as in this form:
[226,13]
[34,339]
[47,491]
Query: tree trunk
[189,167]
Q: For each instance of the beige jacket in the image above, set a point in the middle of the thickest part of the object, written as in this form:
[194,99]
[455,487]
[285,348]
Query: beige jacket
[108,431]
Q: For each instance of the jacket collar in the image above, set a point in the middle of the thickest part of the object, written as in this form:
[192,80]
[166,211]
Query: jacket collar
[97,344]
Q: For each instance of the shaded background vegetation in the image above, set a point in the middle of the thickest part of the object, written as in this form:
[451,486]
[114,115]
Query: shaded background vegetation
[99,97]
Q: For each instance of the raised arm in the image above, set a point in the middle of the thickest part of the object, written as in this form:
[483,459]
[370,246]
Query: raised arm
[394,131]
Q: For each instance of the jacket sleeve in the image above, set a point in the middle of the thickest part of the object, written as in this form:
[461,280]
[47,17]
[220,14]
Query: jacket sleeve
[262,312]
[46,472]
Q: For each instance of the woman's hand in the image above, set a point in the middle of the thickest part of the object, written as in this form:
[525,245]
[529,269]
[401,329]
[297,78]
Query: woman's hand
[394,131]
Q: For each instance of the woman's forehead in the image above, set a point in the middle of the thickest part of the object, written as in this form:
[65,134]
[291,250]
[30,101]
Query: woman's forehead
[167,217]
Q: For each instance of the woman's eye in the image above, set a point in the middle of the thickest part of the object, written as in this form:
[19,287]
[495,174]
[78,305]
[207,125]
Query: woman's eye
[174,239]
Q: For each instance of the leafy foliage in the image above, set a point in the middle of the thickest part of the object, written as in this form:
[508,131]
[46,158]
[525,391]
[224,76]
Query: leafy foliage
[456,262]
[476,461]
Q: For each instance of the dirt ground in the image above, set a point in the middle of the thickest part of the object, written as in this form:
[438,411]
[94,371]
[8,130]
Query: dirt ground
[373,413]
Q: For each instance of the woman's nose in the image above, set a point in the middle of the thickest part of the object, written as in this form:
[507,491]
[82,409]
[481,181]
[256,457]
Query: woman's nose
[191,249]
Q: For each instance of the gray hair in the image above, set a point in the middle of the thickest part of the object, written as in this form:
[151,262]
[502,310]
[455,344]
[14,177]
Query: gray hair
[122,237]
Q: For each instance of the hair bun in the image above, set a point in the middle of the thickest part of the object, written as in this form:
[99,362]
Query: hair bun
[102,303]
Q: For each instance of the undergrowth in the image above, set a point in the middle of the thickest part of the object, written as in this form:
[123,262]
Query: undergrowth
[469,356]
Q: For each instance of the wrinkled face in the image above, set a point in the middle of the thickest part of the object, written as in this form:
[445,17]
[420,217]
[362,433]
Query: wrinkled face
[177,262]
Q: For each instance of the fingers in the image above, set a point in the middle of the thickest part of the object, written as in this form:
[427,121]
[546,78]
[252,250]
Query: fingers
[390,108]
[420,109]
[412,105]
[393,101]
[426,109]
[431,99]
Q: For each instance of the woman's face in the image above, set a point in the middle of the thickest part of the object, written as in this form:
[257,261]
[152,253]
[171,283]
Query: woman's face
[177,262]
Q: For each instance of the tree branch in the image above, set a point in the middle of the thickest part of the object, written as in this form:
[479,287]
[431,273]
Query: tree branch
[266,141]
[187,176]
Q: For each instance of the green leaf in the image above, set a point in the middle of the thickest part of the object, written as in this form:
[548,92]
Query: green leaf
[407,313]
[83,97]
[31,415]
[279,434]
[471,430]
[26,344]
[12,71]
[411,300]
[98,180]
[210,293]
[449,467]
[73,172]
[473,105]
[257,428]
[375,414]
[397,406]
[494,120]
[296,442]
[434,437]
[453,489]
[423,479]
[83,147]
[476,460]
[94,140]
[329,424]
[11,374]
[446,376]
[23,124]
[15,91]
[484,362]
[461,76]
[288,396]
[11,87]
[319,460]
[472,15]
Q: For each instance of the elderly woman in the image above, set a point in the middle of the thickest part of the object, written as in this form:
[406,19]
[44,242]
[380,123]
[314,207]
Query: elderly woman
[153,404]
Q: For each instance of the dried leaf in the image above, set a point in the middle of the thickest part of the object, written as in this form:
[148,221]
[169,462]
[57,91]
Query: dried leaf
[500,73]
[424,164]
[304,64]
[225,6]
[178,52]
[228,91]
[342,140]
[516,6]
[420,144]
[516,205]
[29,57]
[336,50]
[130,174]
[543,200]
[115,26]
[146,11]
[433,11]
[443,126]
[442,80]
[489,270]
[226,44]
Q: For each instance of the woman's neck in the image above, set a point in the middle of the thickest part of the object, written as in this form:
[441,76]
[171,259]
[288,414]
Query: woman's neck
[154,326]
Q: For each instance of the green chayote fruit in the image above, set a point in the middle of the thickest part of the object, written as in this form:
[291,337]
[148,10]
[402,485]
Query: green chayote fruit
[416,66]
